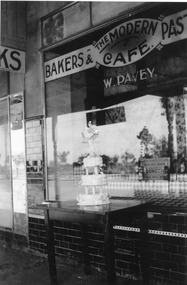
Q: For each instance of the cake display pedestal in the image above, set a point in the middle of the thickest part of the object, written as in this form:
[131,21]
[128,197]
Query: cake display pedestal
[93,182]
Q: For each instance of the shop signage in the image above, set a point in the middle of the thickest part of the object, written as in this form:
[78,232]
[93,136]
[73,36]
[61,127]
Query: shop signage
[156,168]
[129,78]
[12,59]
[123,45]
[132,40]
[128,42]
[68,64]
[174,28]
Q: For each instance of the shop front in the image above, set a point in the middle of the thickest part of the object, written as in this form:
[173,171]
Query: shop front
[13,189]
[127,76]
[121,67]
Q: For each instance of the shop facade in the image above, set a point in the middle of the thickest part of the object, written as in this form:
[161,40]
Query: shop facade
[122,66]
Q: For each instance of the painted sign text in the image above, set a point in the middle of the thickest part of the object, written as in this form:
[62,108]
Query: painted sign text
[12,59]
[129,78]
[128,42]
[123,45]
[68,64]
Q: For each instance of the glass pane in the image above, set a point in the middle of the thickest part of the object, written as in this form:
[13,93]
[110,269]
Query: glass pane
[5,175]
[18,154]
[118,143]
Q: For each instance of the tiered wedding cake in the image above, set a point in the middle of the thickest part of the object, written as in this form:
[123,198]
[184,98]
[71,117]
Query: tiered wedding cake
[94,180]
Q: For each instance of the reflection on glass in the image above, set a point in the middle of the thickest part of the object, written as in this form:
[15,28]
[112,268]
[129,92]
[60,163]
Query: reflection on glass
[118,144]
[5,174]
[107,116]
[18,154]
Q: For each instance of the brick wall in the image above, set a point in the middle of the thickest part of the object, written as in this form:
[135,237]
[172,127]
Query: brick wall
[167,246]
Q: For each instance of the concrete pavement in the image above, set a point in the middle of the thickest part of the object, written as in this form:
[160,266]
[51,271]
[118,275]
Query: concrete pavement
[20,268]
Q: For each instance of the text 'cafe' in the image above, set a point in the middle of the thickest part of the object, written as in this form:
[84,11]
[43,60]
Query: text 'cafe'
[127,78]
[140,37]
[96,96]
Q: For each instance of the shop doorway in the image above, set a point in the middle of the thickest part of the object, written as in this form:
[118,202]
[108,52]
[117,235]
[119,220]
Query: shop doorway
[12,162]
[6,219]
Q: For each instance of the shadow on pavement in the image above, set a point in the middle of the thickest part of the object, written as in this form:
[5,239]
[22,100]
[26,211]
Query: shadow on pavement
[18,268]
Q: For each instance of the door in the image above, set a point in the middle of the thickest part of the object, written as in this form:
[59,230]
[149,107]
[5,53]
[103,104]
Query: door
[13,190]
[6,217]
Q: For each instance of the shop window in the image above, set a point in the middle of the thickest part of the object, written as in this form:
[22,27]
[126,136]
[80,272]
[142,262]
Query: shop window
[138,108]
[13,205]
[5,166]
[71,104]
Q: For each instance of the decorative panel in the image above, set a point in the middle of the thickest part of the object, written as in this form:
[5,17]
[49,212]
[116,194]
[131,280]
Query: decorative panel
[65,23]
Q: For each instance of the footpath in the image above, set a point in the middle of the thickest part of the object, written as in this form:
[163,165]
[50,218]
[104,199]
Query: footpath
[20,268]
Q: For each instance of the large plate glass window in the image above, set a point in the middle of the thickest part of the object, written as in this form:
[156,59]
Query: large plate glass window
[139,111]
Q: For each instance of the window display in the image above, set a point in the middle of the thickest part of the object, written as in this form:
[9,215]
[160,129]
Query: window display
[138,106]
[118,143]
[93,181]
